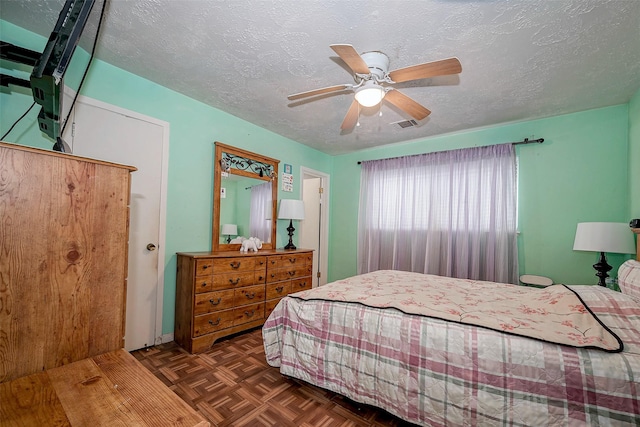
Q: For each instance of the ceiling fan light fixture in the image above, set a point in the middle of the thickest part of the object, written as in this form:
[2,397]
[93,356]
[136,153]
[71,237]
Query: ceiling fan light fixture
[369,94]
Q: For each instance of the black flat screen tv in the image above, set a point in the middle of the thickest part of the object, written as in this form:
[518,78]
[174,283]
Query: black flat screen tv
[58,73]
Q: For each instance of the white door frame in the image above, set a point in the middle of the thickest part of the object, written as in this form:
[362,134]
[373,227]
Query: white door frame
[162,223]
[323,256]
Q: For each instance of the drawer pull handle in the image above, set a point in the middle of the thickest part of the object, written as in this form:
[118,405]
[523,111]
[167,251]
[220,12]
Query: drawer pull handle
[291,273]
[249,313]
[273,274]
[252,295]
[260,278]
[215,302]
[204,267]
[261,262]
[235,265]
[302,285]
[234,282]
[279,289]
[216,323]
[204,284]
[292,260]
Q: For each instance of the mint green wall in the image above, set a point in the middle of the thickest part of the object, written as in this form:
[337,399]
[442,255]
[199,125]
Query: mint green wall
[194,128]
[578,174]
[634,156]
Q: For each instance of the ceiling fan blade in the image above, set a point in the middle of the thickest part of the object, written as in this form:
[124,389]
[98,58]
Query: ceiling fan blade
[351,57]
[319,91]
[424,71]
[351,118]
[407,104]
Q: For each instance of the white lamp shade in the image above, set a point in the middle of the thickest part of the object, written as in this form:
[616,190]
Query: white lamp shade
[229,229]
[291,209]
[369,94]
[615,237]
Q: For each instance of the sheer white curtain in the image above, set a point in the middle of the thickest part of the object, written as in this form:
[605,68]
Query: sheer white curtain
[260,216]
[449,213]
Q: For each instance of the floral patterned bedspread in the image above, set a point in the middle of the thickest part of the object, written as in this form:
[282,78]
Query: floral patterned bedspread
[554,314]
[442,373]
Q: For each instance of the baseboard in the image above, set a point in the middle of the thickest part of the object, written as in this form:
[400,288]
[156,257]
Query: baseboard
[164,339]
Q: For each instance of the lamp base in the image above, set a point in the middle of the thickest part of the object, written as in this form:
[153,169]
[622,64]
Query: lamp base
[290,229]
[602,268]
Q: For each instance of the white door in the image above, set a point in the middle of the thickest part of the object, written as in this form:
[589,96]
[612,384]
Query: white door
[314,228]
[105,132]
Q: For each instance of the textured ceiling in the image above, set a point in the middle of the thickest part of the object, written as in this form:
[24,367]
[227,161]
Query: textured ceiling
[521,59]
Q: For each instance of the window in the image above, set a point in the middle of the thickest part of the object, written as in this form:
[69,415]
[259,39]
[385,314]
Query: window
[450,213]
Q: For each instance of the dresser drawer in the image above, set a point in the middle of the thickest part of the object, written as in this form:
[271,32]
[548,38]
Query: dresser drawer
[213,322]
[204,267]
[278,290]
[248,295]
[233,280]
[203,284]
[288,260]
[248,313]
[303,284]
[213,301]
[286,273]
[227,265]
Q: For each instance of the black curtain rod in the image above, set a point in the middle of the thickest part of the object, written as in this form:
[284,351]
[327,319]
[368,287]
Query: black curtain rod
[524,141]
[529,141]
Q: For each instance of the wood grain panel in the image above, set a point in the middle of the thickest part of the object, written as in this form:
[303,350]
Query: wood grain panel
[64,228]
[112,389]
[31,401]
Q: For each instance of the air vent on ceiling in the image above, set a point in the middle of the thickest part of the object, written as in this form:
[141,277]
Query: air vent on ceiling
[406,123]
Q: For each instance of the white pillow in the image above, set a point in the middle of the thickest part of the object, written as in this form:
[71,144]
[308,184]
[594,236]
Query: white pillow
[629,279]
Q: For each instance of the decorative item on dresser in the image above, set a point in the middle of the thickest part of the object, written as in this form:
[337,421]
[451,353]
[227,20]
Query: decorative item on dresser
[222,293]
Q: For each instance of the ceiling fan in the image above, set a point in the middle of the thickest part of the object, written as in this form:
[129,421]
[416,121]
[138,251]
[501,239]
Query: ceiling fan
[373,79]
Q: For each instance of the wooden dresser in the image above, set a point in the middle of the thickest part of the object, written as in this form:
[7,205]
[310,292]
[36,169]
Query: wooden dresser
[222,293]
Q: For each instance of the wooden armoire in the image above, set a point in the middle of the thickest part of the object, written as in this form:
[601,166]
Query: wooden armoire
[64,231]
[63,258]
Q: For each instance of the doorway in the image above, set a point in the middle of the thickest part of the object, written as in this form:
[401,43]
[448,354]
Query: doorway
[314,230]
[106,132]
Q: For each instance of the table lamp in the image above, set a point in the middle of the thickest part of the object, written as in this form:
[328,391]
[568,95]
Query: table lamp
[604,237]
[229,230]
[291,209]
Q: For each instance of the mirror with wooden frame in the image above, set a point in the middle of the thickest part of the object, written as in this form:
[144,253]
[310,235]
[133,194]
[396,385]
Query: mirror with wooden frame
[245,197]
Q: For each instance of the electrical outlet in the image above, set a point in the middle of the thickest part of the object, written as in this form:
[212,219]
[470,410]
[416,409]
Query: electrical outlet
[223,193]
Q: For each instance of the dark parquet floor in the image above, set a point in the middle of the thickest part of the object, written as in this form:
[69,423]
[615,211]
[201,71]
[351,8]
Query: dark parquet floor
[232,385]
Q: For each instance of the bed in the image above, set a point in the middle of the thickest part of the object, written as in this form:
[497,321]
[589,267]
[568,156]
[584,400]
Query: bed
[438,370]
